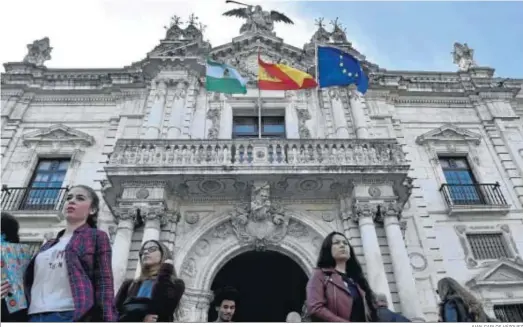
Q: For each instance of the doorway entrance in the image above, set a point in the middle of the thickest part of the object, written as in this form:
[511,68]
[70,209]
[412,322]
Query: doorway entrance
[270,285]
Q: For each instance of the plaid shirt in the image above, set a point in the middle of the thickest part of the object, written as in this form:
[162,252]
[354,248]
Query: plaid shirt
[86,256]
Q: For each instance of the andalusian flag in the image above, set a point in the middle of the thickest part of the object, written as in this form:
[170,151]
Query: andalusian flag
[223,78]
[282,77]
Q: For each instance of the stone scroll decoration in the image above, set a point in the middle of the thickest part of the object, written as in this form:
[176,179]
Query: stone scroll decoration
[260,222]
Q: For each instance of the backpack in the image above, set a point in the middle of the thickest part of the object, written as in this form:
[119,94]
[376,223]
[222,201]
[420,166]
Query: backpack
[305,314]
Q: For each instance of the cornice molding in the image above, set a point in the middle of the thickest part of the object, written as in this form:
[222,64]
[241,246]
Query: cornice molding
[449,133]
[57,134]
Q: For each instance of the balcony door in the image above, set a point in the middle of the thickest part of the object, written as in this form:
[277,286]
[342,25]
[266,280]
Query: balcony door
[462,185]
[45,190]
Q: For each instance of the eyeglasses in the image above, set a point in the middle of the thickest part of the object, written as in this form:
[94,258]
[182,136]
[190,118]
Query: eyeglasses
[150,249]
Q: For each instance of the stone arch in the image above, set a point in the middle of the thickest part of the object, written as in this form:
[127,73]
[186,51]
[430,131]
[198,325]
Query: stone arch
[216,243]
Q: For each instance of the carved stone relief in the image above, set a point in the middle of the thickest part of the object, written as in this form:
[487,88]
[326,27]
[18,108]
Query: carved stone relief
[463,230]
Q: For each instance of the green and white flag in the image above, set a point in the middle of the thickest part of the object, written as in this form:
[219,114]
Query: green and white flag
[223,78]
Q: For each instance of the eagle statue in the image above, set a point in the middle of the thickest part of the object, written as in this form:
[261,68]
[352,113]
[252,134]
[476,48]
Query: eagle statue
[258,20]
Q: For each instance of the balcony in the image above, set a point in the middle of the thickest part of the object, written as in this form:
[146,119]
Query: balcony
[474,198]
[201,165]
[34,203]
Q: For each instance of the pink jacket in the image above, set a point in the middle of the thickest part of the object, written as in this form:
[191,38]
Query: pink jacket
[328,299]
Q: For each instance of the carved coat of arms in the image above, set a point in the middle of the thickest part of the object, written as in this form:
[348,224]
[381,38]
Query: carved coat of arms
[260,222]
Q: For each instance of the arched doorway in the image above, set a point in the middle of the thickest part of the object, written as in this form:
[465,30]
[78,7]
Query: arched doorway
[270,285]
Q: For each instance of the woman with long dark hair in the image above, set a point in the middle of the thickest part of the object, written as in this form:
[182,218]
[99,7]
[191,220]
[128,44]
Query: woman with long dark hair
[71,279]
[154,296]
[338,291]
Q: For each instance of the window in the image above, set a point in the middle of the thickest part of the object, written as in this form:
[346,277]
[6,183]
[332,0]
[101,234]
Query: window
[488,246]
[45,189]
[247,127]
[462,186]
[509,312]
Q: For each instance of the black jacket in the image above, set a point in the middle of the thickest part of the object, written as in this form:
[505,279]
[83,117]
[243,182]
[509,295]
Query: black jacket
[165,297]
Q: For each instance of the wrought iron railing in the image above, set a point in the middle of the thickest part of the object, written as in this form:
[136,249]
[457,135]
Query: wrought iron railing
[473,194]
[33,199]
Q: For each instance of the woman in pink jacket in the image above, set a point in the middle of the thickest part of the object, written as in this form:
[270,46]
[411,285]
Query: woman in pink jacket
[338,291]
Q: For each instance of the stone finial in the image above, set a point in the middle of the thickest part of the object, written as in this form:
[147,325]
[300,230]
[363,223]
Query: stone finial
[463,56]
[38,52]
[338,34]
[321,35]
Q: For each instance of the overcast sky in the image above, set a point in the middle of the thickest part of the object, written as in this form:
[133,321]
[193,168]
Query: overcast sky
[394,35]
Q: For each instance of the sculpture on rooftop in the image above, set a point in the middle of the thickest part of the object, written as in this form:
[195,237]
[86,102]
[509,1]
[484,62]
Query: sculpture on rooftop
[258,20]
[38,52]
[338,34]
[463,56]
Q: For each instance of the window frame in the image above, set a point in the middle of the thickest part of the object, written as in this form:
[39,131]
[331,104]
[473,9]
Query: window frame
[255,120]
[471,262]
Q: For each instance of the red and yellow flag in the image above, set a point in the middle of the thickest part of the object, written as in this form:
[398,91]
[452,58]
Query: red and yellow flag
[282,77]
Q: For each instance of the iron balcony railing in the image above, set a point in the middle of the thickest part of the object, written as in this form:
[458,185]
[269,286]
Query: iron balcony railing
[33,198]
[473,194]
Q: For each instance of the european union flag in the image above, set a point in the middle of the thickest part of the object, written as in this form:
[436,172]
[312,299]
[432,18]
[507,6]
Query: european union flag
[338,68]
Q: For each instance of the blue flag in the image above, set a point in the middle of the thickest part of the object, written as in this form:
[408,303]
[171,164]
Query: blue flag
[338,68]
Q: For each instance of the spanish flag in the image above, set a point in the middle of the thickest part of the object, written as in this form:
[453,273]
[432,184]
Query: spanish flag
[282,77]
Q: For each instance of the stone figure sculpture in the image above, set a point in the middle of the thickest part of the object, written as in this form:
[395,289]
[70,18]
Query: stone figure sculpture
[463,56]
[38,52]
[258,20]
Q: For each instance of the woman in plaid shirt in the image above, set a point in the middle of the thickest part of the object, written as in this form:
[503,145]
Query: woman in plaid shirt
[71,279]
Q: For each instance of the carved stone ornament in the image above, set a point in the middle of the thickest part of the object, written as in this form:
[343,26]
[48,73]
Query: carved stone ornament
[449,133]
[57,134]
[125,214]
[364,209]
[463,56]
[214,115]
[261,223]
[38,52]
[303,116]
[258,20]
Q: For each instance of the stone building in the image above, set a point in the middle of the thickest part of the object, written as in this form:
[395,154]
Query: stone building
[424,173]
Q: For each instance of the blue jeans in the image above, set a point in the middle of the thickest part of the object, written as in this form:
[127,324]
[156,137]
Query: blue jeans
[63,316]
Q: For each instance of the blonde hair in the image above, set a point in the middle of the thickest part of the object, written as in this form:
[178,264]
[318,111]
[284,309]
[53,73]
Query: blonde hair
[449,288]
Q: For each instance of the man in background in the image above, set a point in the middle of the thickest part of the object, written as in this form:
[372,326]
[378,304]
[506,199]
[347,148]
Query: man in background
[225,304]
[385,314]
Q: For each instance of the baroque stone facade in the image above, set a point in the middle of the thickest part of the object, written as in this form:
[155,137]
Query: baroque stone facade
[161,153]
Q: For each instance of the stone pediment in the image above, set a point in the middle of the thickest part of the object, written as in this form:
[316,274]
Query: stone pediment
[502,273]
[449,133]
[57,134]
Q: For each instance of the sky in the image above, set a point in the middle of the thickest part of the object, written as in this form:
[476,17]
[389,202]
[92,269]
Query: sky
[394,35]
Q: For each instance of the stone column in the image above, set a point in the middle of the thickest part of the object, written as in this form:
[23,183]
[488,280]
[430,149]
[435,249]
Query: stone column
[364,213]
[405,283]
[338,113]
[155,117]
[122,244]
[154,218]
[358,113]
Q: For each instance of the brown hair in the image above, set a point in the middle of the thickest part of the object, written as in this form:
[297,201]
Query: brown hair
[92,219]
[152,271]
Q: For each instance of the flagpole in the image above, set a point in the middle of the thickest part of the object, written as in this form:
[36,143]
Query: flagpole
[259,100]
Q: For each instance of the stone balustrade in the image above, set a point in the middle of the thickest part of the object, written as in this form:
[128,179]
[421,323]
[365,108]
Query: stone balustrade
[256,152]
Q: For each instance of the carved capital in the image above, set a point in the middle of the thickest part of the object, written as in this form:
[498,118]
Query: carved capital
[125,214]
[363,209]
[156,213]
